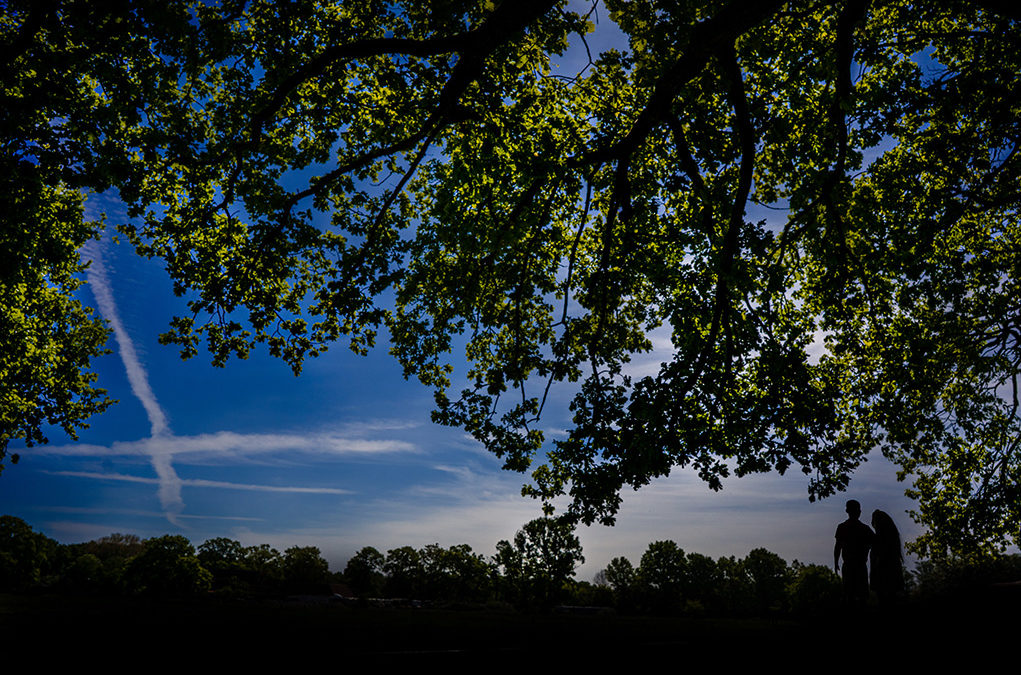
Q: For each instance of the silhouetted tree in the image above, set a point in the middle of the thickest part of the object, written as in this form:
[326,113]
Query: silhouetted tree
[543,556]
[220,551]
[404,573]
[305,569]
[814,589]
[167,566]
[364,572]
[769,576]
[26,556]
[960,577]
[512,585]
[661,576]
[703,582]
[455,574]
[736,594]
[225,560]
[85,574]
[586,594]
[263,566]
[114,551]
[622,578]
[115,546]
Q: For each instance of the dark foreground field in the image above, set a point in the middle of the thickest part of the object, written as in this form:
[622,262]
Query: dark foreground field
[131,633]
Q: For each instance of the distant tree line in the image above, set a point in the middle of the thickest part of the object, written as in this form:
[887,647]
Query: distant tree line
[163,566]
[670,581]
[533,570]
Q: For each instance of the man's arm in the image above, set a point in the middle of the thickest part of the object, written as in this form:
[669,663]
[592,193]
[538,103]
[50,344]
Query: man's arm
[837,548]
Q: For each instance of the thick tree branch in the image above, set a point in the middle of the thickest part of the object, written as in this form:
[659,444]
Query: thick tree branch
[507,21]
[729,246]
[504,24]
[718,32]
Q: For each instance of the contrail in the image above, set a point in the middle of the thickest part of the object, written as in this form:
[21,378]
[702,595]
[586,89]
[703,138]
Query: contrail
[169,481]
[202,483]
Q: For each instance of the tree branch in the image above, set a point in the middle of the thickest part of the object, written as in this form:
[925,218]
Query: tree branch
[718,32]
[508,20]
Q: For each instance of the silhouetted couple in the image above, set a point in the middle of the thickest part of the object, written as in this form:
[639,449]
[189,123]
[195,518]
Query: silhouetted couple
[858,545]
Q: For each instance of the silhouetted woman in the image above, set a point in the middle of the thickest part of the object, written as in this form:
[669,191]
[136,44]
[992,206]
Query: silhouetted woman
[886,574]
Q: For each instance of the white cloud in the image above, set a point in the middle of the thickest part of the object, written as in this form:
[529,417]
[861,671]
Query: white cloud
[134,512]
[199,482]
[382,424]
[202,483]
[231,444]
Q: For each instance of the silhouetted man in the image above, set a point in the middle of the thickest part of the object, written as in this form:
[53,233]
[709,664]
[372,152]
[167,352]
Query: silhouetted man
[854,539]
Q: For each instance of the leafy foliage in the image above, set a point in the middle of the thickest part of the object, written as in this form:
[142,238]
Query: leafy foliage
[114,552]
[662,576]
[220,552]
[945,578]
[25,555]
[364,572]
[814,589]
[305,568]
[542,557]
[454,575]
[668,581]
[167,566]
[550,222]
[768,576]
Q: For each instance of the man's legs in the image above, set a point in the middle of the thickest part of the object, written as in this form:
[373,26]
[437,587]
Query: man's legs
[856,584]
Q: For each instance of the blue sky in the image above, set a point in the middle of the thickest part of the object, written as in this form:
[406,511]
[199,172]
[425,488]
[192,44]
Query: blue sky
[345,456]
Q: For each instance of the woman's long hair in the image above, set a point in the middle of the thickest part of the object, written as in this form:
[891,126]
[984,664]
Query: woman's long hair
[887,536]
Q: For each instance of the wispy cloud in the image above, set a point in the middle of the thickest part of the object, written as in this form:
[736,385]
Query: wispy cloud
[125,478]
[88,510]
[380,424]
[231,444]
[199,482]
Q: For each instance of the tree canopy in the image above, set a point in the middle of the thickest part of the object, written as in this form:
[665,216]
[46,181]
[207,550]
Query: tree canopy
[311,171]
